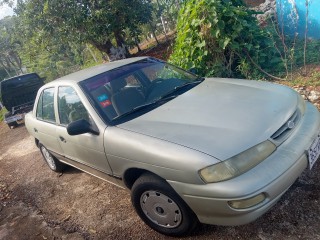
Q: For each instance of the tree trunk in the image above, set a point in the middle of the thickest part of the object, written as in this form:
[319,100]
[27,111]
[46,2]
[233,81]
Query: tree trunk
[14,65]
[105,47]
[164,27]
[5,68]
[119,38]
[114,53]
[92,53]
[137,43]
[177,4]
[120,42]
[16,60]
[154,33]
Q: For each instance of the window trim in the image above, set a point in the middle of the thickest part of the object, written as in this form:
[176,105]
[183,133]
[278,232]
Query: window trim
[54,111]
[57,104]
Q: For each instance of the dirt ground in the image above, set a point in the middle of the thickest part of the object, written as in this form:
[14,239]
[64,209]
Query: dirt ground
[36,203]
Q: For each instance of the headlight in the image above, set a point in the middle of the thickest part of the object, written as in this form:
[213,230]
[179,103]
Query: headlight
[238,164]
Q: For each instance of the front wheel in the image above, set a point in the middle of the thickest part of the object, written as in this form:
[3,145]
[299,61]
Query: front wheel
[160,207]
[53,163]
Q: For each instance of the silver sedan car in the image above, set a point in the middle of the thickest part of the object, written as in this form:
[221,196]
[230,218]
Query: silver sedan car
[190,149]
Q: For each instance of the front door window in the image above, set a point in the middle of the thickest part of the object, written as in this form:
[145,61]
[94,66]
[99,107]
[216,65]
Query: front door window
[70,107]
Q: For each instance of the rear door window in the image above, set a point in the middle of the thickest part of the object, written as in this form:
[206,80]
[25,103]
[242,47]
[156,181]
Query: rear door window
[45,107]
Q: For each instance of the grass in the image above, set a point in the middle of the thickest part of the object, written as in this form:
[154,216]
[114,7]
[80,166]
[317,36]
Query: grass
[2,112]
[312,78]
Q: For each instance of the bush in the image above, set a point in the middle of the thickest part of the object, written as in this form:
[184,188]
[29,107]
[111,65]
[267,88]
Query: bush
[2,112]
[222,38]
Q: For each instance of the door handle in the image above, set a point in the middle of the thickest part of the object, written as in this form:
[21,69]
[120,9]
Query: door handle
[62,139]
[36,130]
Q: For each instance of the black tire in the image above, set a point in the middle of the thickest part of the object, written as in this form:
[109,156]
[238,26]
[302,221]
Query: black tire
[160,207]
[53,163]
[12,125]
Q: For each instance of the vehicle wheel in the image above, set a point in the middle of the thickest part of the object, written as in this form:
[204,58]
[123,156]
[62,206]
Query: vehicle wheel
[160,207]
[53,163]
[12,125]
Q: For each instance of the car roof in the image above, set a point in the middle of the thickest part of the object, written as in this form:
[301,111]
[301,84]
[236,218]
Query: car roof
[96,70]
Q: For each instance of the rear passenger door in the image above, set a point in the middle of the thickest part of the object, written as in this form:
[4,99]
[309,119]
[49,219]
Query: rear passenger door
[45,129]
[84,149]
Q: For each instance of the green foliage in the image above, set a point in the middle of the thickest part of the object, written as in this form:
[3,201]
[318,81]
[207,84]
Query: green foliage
[10,62]
[54,38]
[293,51]
[85,21]
[312,52]
[50,58]
[2,112]
[168,9]
[3,74]
[222,38]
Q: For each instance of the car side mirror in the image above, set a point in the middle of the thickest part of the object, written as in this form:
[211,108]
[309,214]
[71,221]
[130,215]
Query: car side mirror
[80,127]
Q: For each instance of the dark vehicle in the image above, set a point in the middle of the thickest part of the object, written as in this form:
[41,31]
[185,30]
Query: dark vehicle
[17,95]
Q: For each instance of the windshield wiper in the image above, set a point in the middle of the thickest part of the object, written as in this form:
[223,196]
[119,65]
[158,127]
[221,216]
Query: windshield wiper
[159,100]
[177,88]
[144,106]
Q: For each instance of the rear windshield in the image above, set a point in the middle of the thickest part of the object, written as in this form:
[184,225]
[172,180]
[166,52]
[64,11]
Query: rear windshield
[20,82]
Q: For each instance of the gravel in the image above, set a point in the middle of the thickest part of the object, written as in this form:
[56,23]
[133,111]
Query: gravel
[36,203]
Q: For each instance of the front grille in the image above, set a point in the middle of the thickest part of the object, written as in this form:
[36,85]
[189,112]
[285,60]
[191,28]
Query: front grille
[283,132]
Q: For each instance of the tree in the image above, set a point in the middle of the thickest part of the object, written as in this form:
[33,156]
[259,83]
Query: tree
[10,60]
[98,22]
[168,11]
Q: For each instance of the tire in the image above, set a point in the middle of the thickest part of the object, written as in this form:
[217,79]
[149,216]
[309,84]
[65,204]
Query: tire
[53,163]
[161,208]
[12,125]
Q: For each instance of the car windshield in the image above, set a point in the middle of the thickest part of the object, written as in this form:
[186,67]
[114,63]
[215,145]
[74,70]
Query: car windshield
[135,88]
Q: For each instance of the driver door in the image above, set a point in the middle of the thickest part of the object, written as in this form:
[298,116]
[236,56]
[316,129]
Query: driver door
[85,149]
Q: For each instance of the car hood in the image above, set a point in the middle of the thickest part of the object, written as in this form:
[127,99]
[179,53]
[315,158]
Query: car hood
[220,117]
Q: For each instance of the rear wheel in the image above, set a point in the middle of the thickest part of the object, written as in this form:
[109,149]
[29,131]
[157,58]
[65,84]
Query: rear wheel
[161,208]
[53,163]
[12,125]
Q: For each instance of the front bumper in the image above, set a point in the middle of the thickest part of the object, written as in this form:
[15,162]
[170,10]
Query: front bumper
[272,177]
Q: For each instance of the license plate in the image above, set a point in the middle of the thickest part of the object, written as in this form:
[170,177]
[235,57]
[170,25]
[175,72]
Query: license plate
[314,151]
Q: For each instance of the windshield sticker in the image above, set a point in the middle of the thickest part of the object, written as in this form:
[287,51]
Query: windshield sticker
[105,103]
[103,98]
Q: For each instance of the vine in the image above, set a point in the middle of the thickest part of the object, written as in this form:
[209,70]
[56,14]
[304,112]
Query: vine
[222,38]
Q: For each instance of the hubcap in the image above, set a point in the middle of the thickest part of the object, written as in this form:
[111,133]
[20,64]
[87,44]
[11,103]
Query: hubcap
[48,158]
[160,209]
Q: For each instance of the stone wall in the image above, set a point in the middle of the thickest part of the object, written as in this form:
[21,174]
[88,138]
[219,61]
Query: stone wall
[268,7]
[254,3]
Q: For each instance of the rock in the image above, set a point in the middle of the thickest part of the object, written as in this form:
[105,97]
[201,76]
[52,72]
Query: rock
[314,95]
[268,8]
[66,218]
[303,92]
[72,236]
[317,105]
